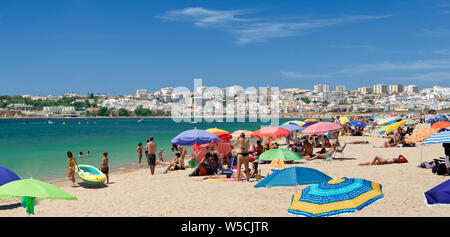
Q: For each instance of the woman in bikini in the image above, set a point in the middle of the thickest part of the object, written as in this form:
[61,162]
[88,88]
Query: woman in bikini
[323,154]
[71,167]
[243,154]
[381,161]
[139,151]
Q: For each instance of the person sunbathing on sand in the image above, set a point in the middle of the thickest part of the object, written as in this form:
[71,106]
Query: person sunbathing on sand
[381,161]
[176,164]
[323,154]
[253,174]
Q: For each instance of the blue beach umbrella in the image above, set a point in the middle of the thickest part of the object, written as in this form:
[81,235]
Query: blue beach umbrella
[293,176]
[292,127]
[439,194]
[309,124]
[6,176]
[194,136]
[357,124]
[337,196]
[440,137]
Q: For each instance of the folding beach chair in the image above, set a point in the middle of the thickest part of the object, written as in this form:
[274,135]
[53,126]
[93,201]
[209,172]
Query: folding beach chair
[340,151]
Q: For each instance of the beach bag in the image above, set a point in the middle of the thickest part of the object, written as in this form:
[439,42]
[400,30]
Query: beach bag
[439,168]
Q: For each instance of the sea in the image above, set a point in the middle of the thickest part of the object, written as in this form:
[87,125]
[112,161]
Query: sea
[37,147]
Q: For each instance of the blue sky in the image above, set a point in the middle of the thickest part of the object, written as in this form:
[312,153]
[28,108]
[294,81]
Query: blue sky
[116,47]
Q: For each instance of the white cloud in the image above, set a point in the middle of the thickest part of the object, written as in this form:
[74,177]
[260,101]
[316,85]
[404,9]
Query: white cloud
[389,66]
[252,29]
[431,76]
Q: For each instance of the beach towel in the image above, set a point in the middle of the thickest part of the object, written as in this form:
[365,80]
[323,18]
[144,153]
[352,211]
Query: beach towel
[28,203]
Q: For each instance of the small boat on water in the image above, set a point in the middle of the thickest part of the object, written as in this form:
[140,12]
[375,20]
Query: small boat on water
[50,122]
[141,120]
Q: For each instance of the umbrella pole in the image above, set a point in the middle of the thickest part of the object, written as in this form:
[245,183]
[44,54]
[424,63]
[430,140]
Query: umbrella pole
[421,151]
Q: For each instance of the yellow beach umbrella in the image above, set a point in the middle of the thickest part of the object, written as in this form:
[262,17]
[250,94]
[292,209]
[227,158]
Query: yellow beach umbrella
[311,120]
[213,130]
[344,120]
[299,123]
[421,135]
[394,126]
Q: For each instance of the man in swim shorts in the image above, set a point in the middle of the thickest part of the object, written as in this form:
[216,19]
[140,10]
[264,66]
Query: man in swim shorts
[151,156]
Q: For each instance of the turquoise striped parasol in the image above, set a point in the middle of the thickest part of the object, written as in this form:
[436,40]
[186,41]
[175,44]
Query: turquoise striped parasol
[337,196]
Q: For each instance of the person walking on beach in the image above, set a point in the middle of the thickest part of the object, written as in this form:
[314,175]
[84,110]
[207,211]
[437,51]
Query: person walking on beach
[71,167]
[104,167]
[243,155]
[151,156]
[139,151]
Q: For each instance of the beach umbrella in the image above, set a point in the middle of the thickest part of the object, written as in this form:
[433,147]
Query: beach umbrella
[335,197]
[235,135]
[293,176]
[6,176]
[441,125]
[194,136]
[439,194]
[222,134]
[309,124]
[30,189]
[311,120]
[410,122]
[344,120]
[441,137]
[421,135]
[299,123]
[321,127]
[395,125]
[271,132]
[280,153]
[357,124]
[33,188]
[292,127]
[385,120]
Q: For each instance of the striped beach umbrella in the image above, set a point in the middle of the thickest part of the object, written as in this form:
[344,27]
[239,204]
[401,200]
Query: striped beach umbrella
[421,135]
[222,134]
[337,196]
[441,137]
[299,123]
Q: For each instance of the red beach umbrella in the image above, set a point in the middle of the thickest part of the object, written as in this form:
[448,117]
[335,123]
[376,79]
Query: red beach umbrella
[271,132]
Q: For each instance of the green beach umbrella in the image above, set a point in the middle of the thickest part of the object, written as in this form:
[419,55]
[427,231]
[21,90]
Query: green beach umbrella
[280,153]
[33,188]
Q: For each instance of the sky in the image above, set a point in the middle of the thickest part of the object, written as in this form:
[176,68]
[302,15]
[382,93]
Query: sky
[116,47]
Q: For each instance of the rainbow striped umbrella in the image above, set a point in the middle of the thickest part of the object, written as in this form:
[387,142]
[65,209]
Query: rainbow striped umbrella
[299,123]
[337,196]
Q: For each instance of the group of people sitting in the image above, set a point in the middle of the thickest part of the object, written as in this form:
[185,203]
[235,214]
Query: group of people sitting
[398,139]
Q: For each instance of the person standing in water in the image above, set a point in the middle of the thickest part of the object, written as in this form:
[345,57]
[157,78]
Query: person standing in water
[88,154]
[139,151]
[71,167]
[105,167]
[151,156]
[243,155]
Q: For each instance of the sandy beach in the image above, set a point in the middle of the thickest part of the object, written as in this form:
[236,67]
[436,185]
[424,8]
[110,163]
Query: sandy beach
[135,193]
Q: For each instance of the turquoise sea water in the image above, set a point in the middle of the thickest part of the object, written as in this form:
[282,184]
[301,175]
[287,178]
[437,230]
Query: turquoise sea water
[35,148]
